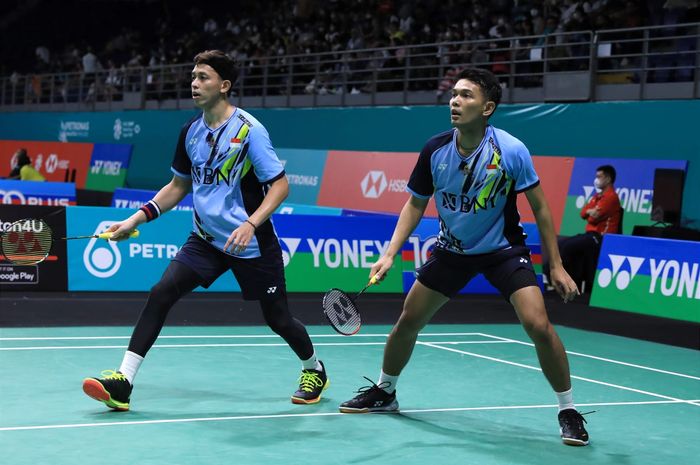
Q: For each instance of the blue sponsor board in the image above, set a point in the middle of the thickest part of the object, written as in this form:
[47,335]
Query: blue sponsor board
[118,154]
[135,198]
[131,265]
[304,170]
[37,193]
[300,209]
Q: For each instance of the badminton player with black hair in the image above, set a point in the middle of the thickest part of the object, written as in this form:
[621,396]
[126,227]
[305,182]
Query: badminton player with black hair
[475,171]
[225,155]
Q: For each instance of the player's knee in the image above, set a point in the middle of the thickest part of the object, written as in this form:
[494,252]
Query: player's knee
[538,329]
[409,324]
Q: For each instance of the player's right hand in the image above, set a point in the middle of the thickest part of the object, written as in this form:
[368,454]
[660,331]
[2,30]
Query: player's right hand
[121,230]
[381,267]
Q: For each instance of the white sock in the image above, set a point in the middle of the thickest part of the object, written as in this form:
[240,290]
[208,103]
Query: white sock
[387,382]
[130,365]
[311,364]
[566,399]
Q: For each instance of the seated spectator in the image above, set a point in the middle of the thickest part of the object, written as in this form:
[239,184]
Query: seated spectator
[24,170]
[603,215]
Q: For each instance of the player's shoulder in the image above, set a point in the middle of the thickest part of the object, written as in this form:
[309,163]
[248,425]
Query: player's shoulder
[438,140]
[196,118]
[508,142]
[246,118]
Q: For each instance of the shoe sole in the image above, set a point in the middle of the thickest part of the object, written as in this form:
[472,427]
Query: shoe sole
[97,391]
[393,407]
[574,442]
[315,400]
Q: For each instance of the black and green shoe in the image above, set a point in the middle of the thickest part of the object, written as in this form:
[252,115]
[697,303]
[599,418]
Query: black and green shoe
[311,384]
[113,389]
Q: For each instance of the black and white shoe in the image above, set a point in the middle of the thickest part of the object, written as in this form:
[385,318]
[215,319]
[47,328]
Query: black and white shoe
[371,399]
[571,428]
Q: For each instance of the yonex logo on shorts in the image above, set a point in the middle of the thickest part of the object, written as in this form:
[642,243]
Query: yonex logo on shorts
[272,290]
[622,278]
[523,260]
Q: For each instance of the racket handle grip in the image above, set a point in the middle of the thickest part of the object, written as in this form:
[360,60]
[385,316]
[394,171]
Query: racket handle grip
[374,279]
[108,235]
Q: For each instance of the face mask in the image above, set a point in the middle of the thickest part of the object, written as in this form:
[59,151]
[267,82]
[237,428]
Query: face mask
[598,185]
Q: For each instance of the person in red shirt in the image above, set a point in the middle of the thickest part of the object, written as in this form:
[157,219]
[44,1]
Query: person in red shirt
[603,215]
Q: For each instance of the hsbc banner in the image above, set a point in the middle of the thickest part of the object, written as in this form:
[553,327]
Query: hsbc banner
[373,181]
[50,275]
[135,198]
[131,265]
[90,166]
[658,277]
[634,185]
[304,170]
[37,193]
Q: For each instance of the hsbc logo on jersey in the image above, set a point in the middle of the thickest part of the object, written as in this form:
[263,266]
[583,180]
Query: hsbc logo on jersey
[375,183]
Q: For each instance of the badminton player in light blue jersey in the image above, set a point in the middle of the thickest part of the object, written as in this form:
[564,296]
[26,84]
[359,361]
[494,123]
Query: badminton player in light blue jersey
[225,156]
[474,172]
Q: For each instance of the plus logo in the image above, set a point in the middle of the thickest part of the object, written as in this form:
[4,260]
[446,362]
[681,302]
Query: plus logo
[622,277]
[373,184]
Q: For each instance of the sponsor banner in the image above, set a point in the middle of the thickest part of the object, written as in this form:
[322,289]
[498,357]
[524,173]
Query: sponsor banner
[554,174]
[56,161]
[420,244]
[299,209]
[135,198]
[108,167]
[658,277]
[372,181]
[50,275]
[37,193]
[304,170]
[131,265]
[323,252]
[634,185]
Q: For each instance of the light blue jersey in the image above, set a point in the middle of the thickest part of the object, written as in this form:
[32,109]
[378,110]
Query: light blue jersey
[475,195]
[231,168]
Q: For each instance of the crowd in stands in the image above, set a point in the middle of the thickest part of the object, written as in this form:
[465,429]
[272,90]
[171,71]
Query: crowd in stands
[145,33]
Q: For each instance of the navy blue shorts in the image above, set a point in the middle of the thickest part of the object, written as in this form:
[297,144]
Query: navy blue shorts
[507,270]
[260,278]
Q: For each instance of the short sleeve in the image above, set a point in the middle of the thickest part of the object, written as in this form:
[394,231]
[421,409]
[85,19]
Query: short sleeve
[182,164]
[262,155]
[421,183]
[525,176]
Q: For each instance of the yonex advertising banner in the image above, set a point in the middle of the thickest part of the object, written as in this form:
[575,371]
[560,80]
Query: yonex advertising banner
[322,252]
[49,275]
[91,166]
[304,170]
[659,277]
[108,167]
[554,174]
[37,193]
[135,198]
[373,181]
[634,185]
[131,265]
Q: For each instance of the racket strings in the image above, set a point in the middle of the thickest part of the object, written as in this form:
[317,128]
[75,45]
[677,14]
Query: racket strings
[341,311]
[26,242]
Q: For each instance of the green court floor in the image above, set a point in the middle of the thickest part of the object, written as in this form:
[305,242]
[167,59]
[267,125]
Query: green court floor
[472,394]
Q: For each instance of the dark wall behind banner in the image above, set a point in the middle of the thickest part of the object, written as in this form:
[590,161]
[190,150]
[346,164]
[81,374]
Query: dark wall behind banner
[636,130]
[50,275]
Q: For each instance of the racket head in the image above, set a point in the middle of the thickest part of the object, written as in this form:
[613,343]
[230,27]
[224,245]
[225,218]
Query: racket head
[341,312]
[26,242]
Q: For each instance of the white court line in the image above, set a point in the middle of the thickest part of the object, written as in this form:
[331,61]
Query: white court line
[530,367]
[328,414]
[217,336]
[609,360]
[261,344]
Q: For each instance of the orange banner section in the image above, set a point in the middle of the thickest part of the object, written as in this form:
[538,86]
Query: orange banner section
[372,181]
[554,174]
[56,161]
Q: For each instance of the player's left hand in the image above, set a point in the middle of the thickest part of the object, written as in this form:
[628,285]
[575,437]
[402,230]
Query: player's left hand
[240,238]
[562,282]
